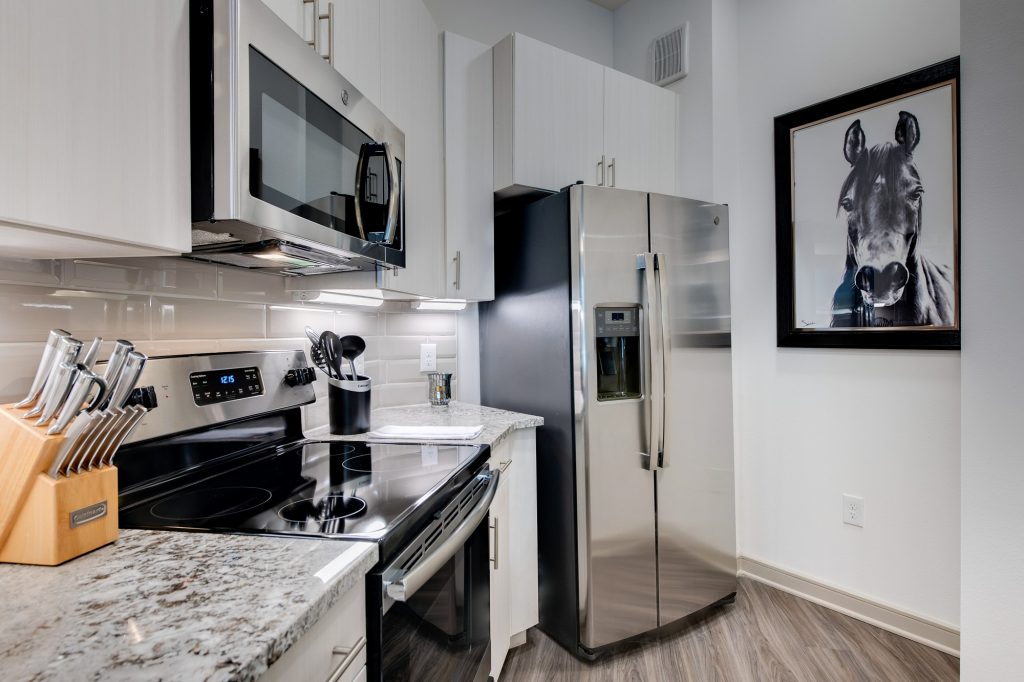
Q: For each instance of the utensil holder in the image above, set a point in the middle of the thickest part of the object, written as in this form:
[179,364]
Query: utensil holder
[44,520]
[348,405]
[439,388]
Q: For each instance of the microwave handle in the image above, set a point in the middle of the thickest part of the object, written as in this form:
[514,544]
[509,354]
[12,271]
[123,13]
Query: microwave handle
[361,165]
[394,198]
[417,577]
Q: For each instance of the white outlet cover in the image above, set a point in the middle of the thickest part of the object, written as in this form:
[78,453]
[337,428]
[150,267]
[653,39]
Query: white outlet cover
[428,357]
[853,510]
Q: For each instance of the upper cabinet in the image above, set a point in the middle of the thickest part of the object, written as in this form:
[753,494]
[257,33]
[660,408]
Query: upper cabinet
[559,119]
[468,164]
[94,130]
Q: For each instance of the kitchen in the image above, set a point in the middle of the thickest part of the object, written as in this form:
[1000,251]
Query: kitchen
[99,187]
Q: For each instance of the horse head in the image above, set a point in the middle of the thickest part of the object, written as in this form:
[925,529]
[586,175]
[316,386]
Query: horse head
[881,199]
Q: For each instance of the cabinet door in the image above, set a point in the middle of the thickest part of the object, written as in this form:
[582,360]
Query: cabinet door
[522,531]
[357,44]
[557,110]
[469,164]
[293,13]
[411,98]
[501,584]
[94,128]
[639,134]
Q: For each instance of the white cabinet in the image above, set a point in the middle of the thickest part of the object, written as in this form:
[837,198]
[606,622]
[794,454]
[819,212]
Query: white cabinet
[639,134]
[293,13]
[514,586]
[410,61]
[469,164]
[333,649]
[94,128]
[548,115]
[559,118]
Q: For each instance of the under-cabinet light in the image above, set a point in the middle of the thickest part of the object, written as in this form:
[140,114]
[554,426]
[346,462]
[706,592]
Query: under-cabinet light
[440,304]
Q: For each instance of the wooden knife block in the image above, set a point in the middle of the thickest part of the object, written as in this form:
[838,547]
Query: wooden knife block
[43,520]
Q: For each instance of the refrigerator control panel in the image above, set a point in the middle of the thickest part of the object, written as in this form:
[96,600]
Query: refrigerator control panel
[617,321]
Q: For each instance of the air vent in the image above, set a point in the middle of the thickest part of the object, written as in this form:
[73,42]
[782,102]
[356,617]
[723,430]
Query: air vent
[670,57]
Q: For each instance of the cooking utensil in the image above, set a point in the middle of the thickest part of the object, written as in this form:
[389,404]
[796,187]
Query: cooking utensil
[351,348]
[43,371]
[77,397]
[331,346]
[65,378]
[89,359]
[316,354]
[313,335]
[68,349]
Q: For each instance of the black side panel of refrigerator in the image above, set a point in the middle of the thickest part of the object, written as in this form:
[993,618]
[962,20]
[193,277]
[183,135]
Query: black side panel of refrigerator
[526,366]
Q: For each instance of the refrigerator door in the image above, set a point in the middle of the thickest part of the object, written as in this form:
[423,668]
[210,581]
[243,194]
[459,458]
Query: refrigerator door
[695,484]
[615,493]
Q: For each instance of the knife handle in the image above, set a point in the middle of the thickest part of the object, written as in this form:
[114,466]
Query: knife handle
[126,381]
[89,359]
[68,349]
[66,376]
[43,370]
[115,364]
[76,399]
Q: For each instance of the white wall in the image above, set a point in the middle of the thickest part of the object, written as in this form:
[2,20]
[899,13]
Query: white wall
[993,374]
[578,26]
[636,24]
[814,424]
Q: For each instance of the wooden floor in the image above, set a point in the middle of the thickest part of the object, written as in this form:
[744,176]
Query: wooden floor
[766,635]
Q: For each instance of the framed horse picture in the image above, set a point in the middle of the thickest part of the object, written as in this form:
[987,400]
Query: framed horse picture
[867,201]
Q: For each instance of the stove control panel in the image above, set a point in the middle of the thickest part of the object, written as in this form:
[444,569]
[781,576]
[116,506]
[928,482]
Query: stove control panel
[218,386]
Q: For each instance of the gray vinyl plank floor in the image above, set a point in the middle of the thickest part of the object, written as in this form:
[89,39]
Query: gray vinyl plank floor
[766,636]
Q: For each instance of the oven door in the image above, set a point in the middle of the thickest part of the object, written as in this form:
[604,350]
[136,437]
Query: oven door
[433,612]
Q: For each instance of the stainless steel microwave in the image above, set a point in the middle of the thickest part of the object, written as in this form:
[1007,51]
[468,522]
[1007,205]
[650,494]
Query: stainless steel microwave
[293,169]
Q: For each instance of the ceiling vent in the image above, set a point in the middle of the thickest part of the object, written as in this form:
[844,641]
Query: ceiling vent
[670,55]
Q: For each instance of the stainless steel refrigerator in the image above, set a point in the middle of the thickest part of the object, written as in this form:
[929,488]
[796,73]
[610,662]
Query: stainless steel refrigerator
[611,320]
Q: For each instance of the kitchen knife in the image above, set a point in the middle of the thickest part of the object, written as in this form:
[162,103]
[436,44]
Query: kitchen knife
[65,378]
[115,364]
[73,439]
[124,426]
[44,367]
[68,349]
[90,449]
[79,393]
[89,359]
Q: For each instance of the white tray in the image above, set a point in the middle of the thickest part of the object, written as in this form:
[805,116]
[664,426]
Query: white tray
[428,433]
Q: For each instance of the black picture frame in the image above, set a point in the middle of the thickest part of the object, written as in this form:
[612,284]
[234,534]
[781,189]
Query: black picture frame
[899,337]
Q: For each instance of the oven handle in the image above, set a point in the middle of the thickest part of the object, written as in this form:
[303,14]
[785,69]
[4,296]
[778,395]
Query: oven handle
[413,580]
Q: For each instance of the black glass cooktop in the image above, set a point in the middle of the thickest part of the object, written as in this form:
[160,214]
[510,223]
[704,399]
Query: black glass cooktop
[351,490]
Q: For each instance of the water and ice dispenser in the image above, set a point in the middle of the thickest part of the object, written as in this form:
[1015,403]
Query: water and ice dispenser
[619,368]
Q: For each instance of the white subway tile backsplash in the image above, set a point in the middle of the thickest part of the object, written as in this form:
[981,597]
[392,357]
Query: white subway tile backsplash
[170,306]
[421,324]
[182,318]
[29,313]
[290,321]
[400,371]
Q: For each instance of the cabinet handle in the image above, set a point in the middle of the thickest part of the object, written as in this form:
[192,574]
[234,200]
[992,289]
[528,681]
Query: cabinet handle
[600,171]
[350,655]
[494,558]
[317,18]
[458,270]
[611,173]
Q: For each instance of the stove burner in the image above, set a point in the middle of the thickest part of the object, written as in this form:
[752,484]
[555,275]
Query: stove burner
[365,464]
[328,508]
[210,503]
[345,449]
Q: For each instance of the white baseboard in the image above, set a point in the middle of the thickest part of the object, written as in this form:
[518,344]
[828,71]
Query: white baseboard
[936,634]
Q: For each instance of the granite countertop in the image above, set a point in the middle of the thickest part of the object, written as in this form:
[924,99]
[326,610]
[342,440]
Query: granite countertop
[160,605]
[497,423]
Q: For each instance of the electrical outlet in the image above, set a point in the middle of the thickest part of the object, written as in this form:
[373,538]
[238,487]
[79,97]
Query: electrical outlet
[428,357]
[853,510]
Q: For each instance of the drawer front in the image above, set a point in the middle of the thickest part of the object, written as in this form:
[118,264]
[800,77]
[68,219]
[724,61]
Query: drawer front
[334,649]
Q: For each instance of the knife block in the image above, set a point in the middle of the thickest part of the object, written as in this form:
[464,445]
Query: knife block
[44,520]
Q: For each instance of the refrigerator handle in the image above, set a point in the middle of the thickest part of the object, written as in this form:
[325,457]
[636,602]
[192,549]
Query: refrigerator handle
[655,361]
[665,324]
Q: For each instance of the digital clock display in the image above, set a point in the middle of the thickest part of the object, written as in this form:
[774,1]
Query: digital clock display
[218,386]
